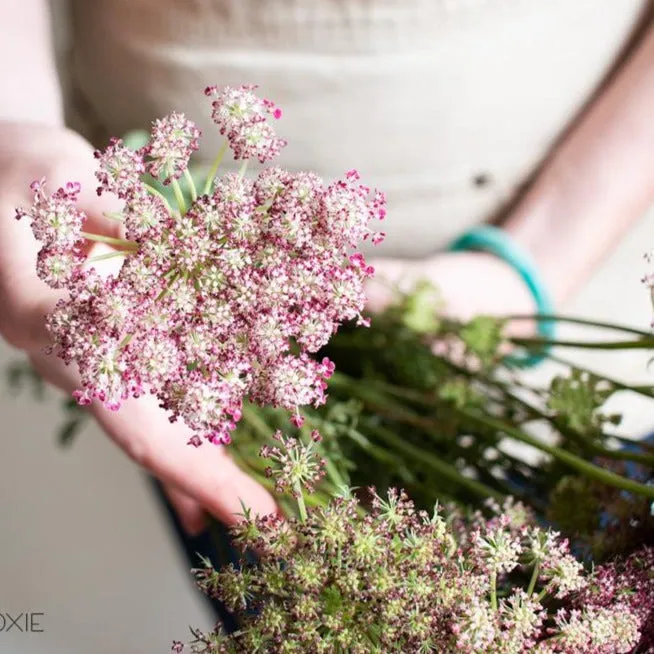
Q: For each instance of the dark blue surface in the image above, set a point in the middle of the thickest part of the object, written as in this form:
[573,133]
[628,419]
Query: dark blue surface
[204,544]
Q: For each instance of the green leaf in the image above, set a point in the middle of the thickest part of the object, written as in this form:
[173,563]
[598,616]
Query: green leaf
[460,393]
[69,431]
[21,376]
[15,373]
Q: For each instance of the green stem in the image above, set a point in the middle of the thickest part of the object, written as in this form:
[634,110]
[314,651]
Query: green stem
[333,473]
[363,442]
[534,579]
[619,455]
[179,196]
[420,456]
[191,184]
[126,340]
[430,427]
[253,419]
[113,215]
[243,169]
[580,321]
[383,405]
[172,280]
[153,191]
[493,590]
[624,455]
[214,167]
[299,497]
[434,462]
[110,240]
[640,344]
[108,255]
[647,391]
[544,592]
[589,469]
[598,450]
[389,462]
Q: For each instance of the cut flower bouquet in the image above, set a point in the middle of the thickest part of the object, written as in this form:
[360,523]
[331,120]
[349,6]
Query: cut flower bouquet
[227,307]
[393,579]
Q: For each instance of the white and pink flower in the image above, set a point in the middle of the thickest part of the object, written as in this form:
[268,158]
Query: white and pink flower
[217,302]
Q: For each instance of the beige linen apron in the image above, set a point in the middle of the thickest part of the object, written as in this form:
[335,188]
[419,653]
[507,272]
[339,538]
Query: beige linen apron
[447,105]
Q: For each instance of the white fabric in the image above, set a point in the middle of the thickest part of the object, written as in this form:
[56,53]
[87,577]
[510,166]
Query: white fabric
[422,96]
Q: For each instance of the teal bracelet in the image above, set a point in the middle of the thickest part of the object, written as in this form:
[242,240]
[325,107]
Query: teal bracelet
[497,241]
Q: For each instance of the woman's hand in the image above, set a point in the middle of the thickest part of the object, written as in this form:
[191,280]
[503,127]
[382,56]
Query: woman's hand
[469,283]
[195,479]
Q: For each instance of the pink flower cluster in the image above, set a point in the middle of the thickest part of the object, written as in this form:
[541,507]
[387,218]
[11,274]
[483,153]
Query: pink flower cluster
[59,230]
[221,301]
[241,117]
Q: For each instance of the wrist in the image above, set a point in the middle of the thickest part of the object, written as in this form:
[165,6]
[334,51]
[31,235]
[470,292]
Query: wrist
[544,224]
[498,242]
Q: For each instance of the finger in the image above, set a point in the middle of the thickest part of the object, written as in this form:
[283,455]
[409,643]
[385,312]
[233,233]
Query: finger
[99,209]
[206,474]
[189,513]
[142,429]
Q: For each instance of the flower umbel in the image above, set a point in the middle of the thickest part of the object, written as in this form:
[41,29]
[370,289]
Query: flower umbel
[174,139]
[216,302]
[242,117]
[297,465]
[400,580]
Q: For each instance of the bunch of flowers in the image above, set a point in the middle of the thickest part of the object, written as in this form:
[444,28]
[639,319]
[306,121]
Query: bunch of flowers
[223,299]
[224,308]
[396,579]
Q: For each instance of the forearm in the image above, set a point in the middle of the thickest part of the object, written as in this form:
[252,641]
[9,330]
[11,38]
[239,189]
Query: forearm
[28,78]
[598,182]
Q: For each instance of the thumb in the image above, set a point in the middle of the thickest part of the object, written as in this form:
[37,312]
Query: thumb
[189,513]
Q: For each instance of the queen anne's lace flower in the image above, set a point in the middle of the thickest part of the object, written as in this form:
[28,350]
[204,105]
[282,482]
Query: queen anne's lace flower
[58,267]
[55,220]
[174,140]
[119,169]
[418,582]
[218,301]
[500,549]
[242,118]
